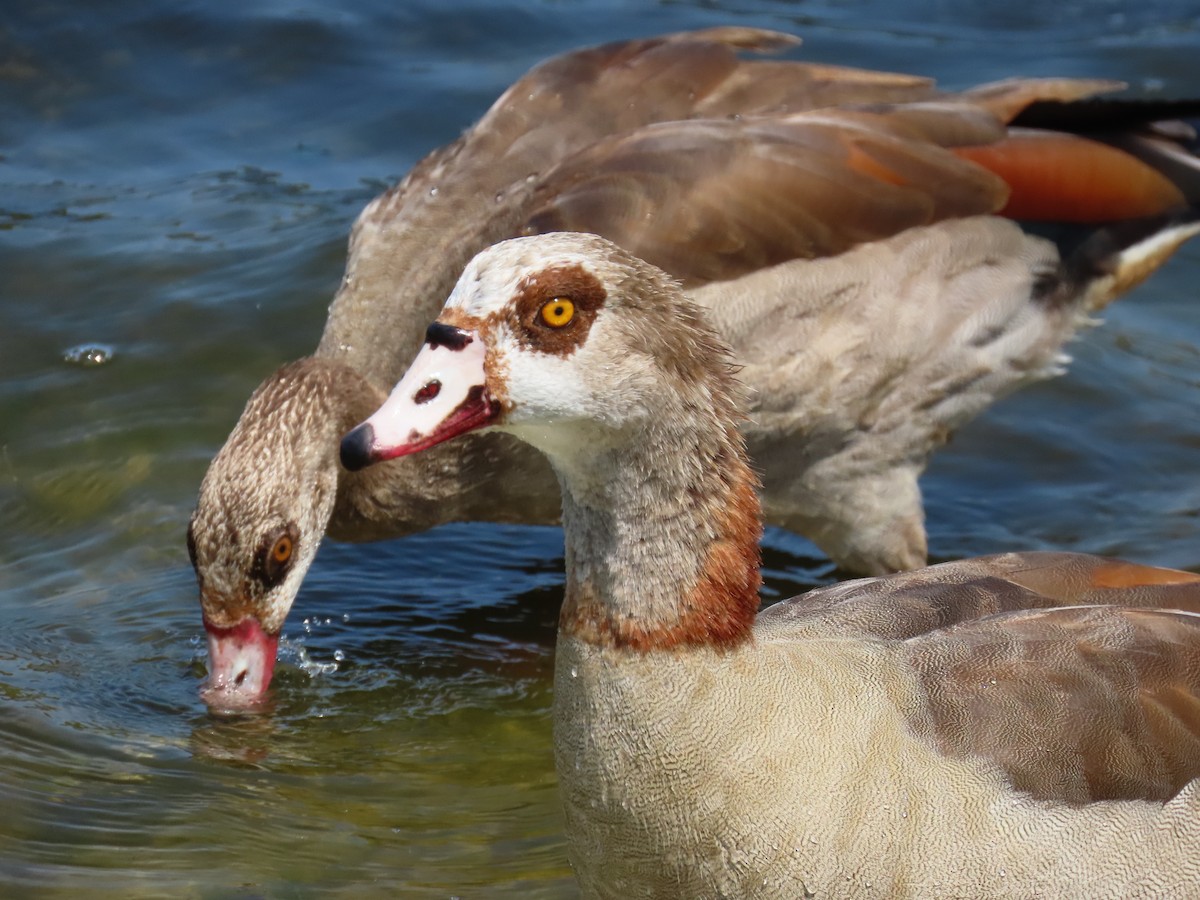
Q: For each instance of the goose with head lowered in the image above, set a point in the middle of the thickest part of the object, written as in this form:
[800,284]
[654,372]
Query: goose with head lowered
[1024,725]
[731,174]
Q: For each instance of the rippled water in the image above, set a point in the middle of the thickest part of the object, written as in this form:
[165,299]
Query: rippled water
[176,184]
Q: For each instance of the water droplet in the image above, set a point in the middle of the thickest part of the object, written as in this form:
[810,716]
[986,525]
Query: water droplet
[345,617]
[433,191]
[339,655]
[89,355]
[574,672]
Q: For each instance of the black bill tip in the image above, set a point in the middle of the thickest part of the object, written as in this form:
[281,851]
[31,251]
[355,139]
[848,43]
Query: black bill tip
[356,446]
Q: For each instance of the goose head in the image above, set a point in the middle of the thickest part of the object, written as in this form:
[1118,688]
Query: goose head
[564,340]
[263,506]
[598,360]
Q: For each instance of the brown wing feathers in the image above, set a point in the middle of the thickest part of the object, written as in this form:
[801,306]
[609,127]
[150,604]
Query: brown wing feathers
[710,200]
[1083,685]
[709,179]
[1074,704]
[1071,579]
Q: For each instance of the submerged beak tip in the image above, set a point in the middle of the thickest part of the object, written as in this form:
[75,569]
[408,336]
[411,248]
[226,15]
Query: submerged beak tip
[241,661]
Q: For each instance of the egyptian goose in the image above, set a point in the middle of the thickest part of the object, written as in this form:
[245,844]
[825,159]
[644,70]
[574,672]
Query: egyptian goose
[708,166]
[1024,725]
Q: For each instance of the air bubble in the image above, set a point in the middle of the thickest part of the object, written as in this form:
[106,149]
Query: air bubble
[89,355]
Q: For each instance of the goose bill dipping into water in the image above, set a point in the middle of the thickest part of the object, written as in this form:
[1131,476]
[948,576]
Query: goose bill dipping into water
[1024,725]
[710,167]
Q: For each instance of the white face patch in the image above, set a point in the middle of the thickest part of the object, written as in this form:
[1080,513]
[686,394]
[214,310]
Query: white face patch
[544,387]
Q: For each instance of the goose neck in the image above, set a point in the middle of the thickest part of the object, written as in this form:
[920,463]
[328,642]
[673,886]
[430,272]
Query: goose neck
[662,536]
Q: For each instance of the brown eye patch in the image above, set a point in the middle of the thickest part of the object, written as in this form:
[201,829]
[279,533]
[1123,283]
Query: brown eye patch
[274,556]
[530,324]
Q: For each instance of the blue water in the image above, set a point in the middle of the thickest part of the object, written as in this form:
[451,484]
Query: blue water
[177,181]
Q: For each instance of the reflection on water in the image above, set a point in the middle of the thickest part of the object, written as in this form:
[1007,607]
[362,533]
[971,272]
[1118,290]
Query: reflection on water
[176,186]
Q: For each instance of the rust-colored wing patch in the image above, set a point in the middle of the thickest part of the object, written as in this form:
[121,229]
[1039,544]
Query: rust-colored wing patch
[1065,178]
[1069,579]
[1118,574]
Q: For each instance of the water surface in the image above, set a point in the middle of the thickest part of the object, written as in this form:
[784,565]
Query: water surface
[176,185]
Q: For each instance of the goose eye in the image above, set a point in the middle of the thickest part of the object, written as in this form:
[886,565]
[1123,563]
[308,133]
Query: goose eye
[558,312]
[282,551]
[274,556]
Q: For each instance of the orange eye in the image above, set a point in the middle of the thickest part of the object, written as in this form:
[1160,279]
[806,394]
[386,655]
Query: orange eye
[558,312]
[282,551]
[274,555]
